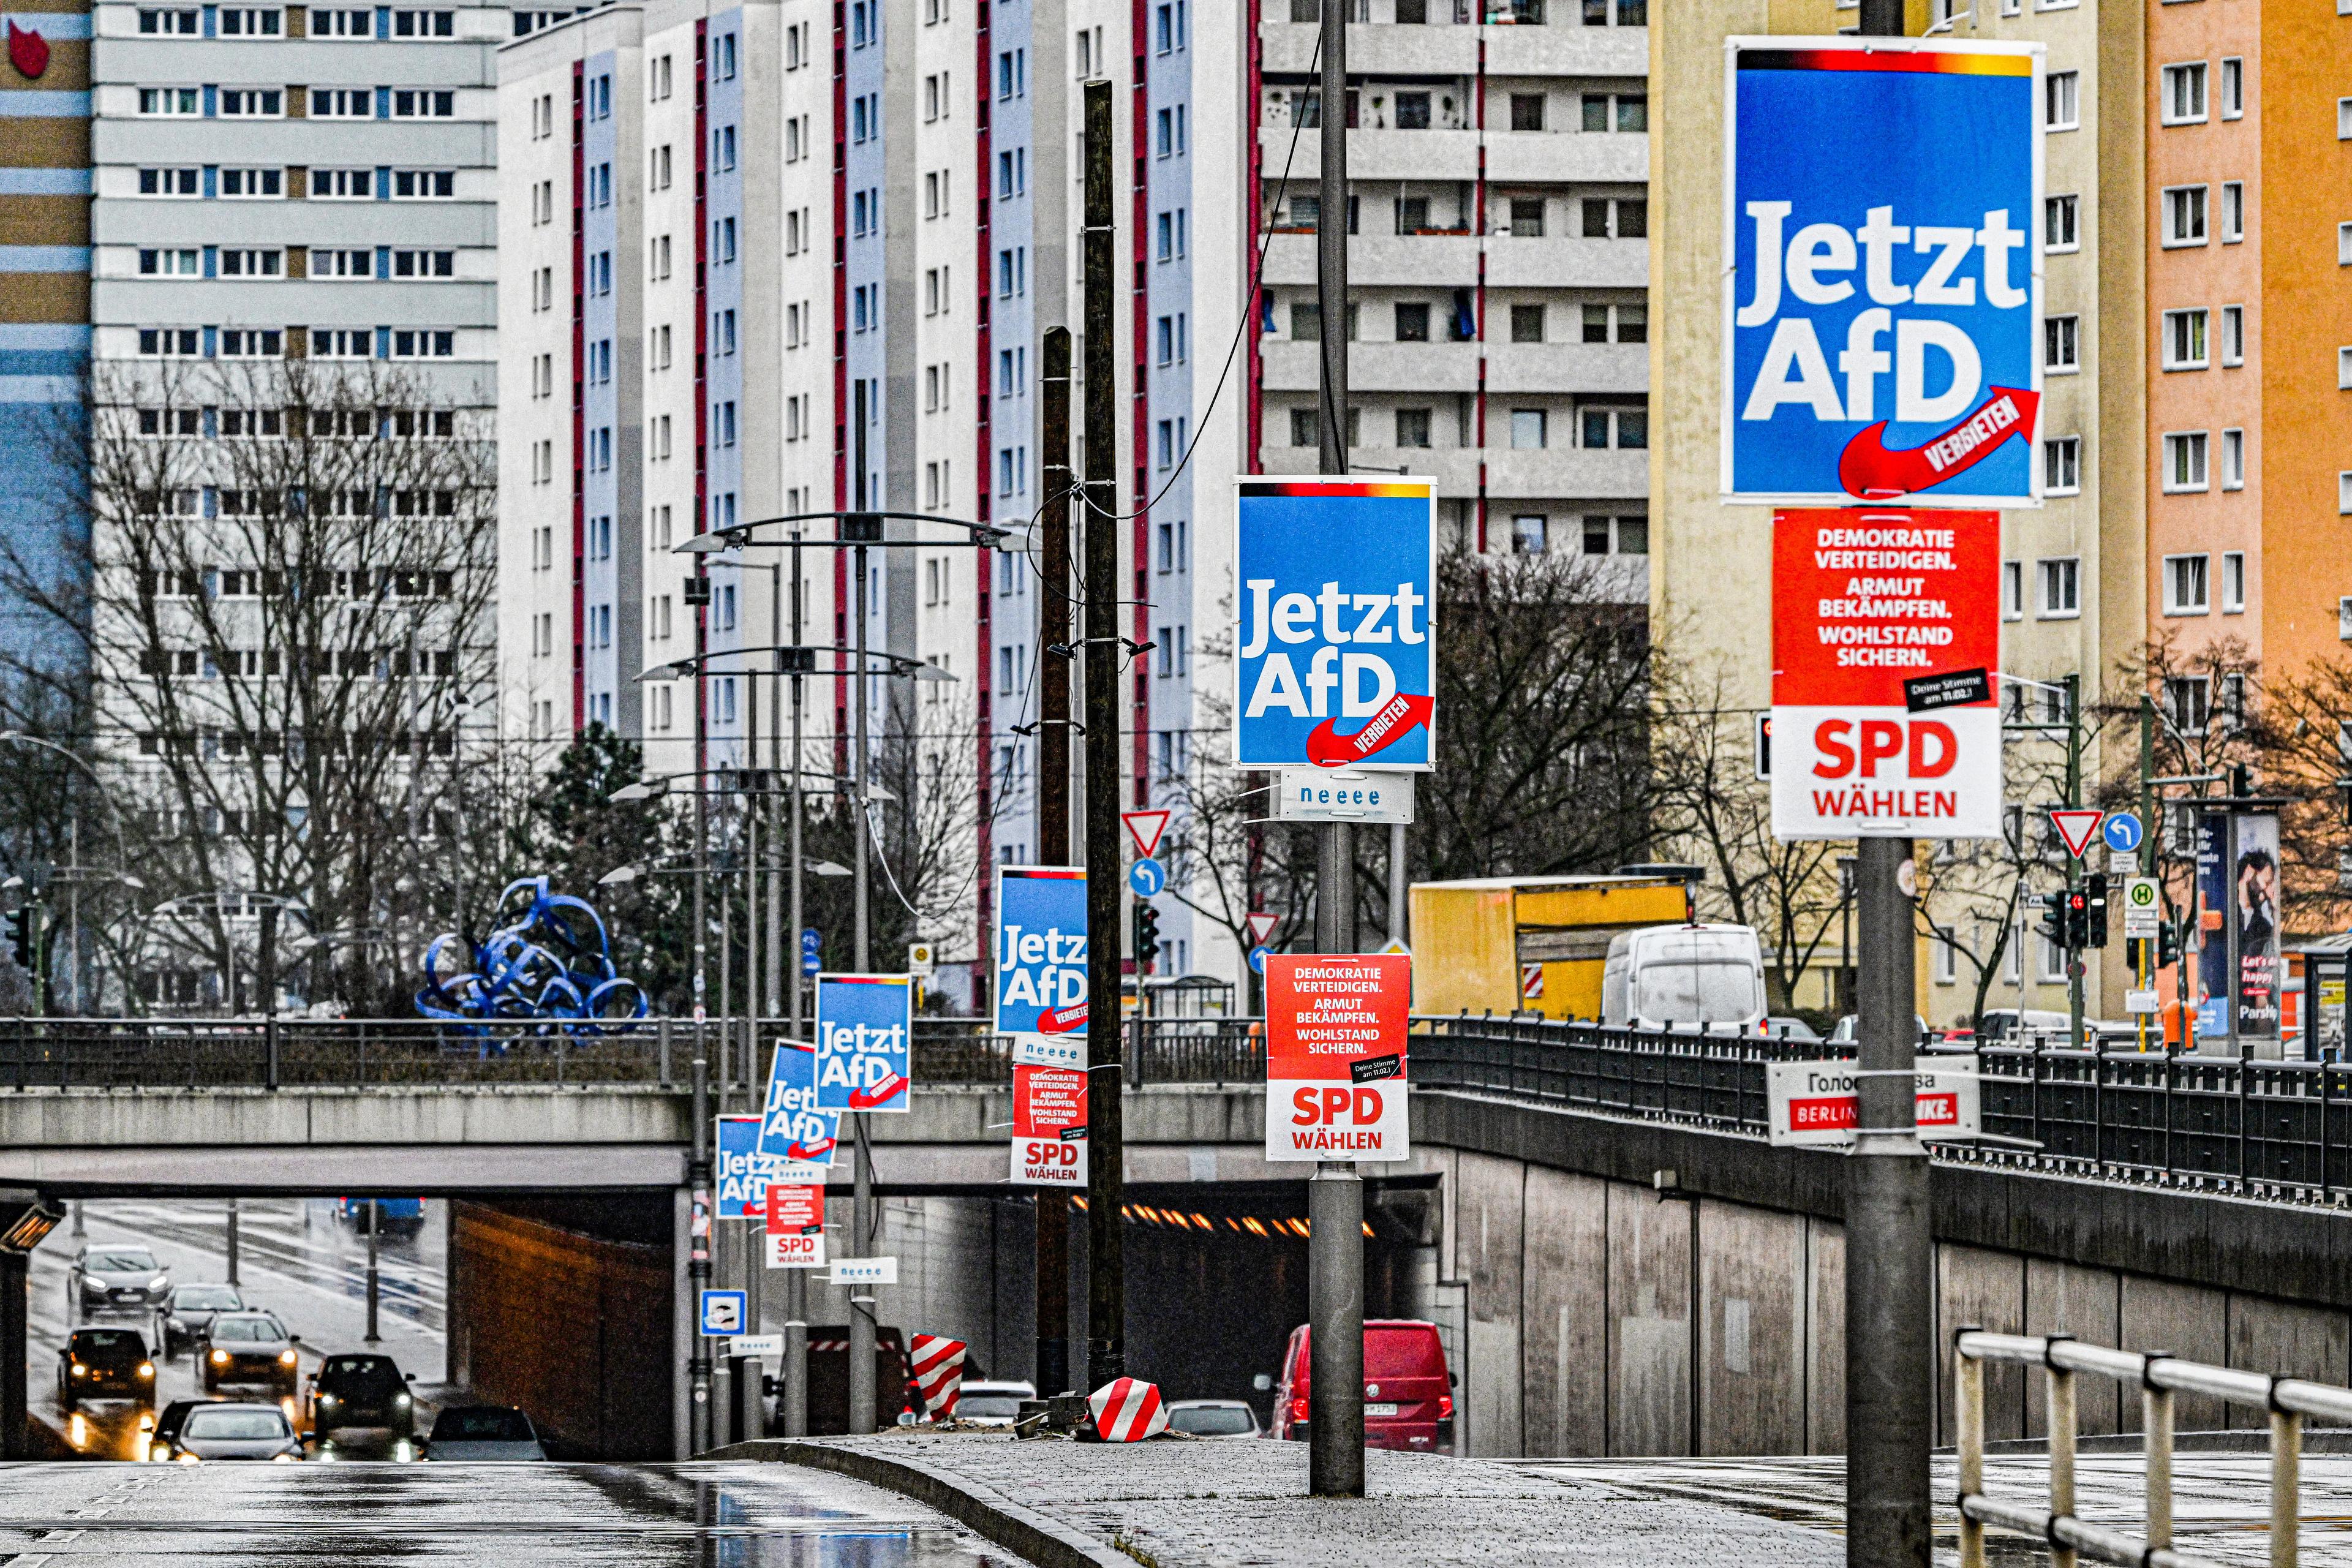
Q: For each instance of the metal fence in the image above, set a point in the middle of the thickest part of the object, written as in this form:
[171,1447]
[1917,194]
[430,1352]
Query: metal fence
[2283,1128]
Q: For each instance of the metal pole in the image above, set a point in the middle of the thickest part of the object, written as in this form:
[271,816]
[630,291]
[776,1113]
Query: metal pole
[1889,1306]
[2059,1389]
[2074,964]
[1967,1417]
[779,963]
[268,964]
[861,1309]
[1053,1253]
[792,991]
[795,1394]
[375,1292]
[231,1243]
[1335,1196]
[1400,889]
[2286,1487]
[73,911]
[2151,858]
[1105,1183]
[698,1263]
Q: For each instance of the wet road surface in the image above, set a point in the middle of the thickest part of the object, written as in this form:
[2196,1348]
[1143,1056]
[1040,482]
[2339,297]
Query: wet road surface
[546,1516]
[294,1260]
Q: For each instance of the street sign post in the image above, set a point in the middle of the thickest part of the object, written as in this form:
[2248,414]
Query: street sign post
[1861,603]
[1335,628]
[1335,1056]
[722,1313]
[791,1126]
[1041,962]
[1049,1126]
[1882,313]
[2143,909]
[1813,1103]
[2121,831]
[810,958]
[2074,829]
[1260,926]
[865,1027]
[1144,829]
[1147,877]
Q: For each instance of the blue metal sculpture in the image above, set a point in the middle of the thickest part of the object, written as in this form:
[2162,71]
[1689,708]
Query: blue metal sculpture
[549,960]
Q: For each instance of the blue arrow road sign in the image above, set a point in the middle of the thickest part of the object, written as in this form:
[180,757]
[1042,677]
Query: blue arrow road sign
[809,956]
[2122,831]
[1147,876]
[1257,959]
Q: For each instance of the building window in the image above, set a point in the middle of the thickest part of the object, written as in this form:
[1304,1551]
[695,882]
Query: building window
[2062,100]
[187,182]
[2061,581]
[2013,590]
[170,100]
[1529,535]
[2184,461]
[2186,591]
[252,102]
[2184,340]
[2062,344]
[2184,215]
[1528,430]
[2060,228]
[2234,583]
[2233,88]
[2184,94]
[2188,703]
[2233,211]
[2233,334]
[2344,120]
[2233,459]
[2062,466]
[1412,427]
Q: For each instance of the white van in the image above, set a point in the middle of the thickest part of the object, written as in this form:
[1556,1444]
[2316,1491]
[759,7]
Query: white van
[1683,974]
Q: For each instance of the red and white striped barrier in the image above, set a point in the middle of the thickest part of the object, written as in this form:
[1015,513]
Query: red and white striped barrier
[1127,1410]
[938,1370]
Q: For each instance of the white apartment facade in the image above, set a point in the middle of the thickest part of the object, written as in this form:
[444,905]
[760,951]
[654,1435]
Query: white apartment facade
[865,216]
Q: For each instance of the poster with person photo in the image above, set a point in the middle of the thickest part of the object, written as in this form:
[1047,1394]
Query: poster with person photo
[2254,916]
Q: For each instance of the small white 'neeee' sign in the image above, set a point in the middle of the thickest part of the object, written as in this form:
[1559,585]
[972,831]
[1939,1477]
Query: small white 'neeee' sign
[756,1344]
[864,1271]
[1342,795]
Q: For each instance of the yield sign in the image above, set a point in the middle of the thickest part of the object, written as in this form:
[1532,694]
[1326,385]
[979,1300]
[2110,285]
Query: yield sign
[1145,827]
[2076,827]
[1260,926]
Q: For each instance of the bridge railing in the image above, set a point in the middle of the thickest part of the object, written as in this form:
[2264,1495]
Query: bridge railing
[2287,1401]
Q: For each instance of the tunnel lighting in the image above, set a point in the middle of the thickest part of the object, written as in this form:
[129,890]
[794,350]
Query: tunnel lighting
[1368,1232]
[1250,1225]
[1232,1223]
[1201,1220]
[1080,1201]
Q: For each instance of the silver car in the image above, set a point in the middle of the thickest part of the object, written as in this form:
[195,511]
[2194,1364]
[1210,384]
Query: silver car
[481,1434]
[116,1279]
[992,1404]
[225,1431]
[1213,1418]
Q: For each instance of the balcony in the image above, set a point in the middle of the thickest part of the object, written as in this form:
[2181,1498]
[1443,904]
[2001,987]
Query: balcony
[1547,263]
[1379,261]
[1437,49]
[1566,367]
[1565,473]
[1436,155]
[1377,367]
[1537,157]
[1563,51]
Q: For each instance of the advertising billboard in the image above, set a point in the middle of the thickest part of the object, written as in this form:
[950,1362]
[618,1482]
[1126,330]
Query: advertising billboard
[1335,1056]
[795,1229]
[865,1042]
[1335,635]
[1041,962]
[1882,313]
[1885,637]
[740,1173]
[791,1125]
[2240,973]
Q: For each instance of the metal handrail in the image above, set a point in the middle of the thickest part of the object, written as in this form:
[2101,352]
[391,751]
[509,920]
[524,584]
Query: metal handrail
[2160,1376]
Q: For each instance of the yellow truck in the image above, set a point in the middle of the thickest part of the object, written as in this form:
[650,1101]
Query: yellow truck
[1529,945]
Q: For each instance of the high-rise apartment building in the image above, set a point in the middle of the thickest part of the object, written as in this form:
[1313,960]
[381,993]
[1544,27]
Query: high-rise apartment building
[746,245]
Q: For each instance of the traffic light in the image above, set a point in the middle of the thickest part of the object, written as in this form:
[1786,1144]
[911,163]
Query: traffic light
[20,936]
[2095,891]
[1147,936]
[2167,944]
[2078,919]
[2053,918]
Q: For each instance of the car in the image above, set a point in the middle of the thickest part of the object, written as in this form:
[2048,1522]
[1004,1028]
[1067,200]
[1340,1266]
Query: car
[105,1363]
[481,1433]
[362,1391]
[108,1278]
[158,1442]
[220,1429]
[1796,1029]
[1848,1030]
[992,1404]
[186,1316]
[251,1347]
[1408,1392]
[1213,1418]
[394,1216]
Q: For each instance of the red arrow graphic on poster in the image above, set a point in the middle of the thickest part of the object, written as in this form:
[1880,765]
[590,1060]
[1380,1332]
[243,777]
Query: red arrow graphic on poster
[1868,470]
[1062,1020]
[1402,715]
[882,1093]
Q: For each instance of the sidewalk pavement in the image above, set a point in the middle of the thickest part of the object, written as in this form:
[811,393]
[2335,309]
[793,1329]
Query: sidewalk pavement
[1177,1503]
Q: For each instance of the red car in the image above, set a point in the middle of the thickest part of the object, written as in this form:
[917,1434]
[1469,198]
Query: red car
[1408,1393]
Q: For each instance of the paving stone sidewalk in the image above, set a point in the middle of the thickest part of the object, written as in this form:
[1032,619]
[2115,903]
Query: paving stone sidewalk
[1178,1504]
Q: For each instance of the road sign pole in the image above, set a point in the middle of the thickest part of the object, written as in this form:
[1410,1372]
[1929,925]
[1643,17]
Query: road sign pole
[2151,859]
[2074,964]
[698,1267]
[1105,1180]
[1053,1255]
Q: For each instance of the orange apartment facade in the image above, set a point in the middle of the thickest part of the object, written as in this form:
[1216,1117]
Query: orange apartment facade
[2250,323]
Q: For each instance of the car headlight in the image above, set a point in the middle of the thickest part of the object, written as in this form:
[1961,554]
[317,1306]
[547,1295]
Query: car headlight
[282,1459]
[220,1358]
[285,1358]
[403,1452]
[326,1399]
[400,1401]
[146,1369]
[159,1452]
[161,1282]
[79,1369]
[191,1459]
[92,1285]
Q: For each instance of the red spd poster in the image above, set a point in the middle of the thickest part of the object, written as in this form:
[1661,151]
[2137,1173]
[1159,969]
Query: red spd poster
[1335,1056]
[1049,1126]
[796,1226]
[1886,652]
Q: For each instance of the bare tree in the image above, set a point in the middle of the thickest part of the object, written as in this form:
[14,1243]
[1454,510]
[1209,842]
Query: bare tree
[284,612]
